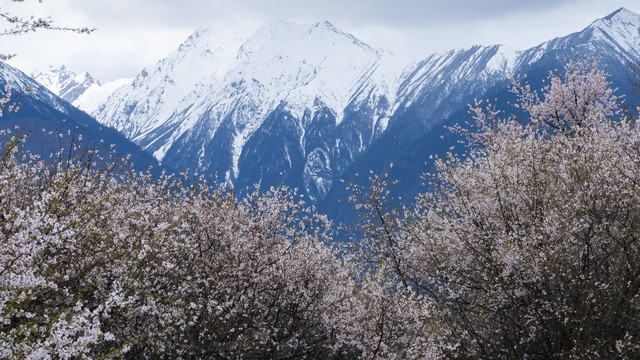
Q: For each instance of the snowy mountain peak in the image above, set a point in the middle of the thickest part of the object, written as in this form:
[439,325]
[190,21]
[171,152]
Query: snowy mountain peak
[309,99]
[329,26]
[218,46]
[622,14]
[619,19]
[618,34]
[281,35]
[298,62]
[64,82]
[620,29]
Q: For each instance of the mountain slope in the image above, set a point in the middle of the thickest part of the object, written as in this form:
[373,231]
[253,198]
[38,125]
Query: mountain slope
[306,105]
[51,122]
[64,82]
[81,90]
[167,98]
[441,96]
[208,104]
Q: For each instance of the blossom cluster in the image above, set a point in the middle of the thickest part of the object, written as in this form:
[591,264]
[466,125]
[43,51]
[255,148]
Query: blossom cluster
[527,245]
[99,261]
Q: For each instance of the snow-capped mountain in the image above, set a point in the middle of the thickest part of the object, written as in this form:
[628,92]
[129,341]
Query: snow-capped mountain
[81,90]
[304,105]
[64,82]
[97,94]
[51,121]
[203,104]
[167,98]
[283,110]
[436,92]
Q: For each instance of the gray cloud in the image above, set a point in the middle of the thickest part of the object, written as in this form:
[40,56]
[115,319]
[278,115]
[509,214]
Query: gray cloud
[397,13]
[406,12]
[132,34]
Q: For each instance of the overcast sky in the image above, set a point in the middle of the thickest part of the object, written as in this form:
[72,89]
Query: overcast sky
[134,33]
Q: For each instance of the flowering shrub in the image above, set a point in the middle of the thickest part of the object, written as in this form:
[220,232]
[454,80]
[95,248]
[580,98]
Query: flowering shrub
[105,262]
[100,261]
[528,245]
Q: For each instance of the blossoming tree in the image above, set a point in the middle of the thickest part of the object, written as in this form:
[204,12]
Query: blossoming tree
[528,245]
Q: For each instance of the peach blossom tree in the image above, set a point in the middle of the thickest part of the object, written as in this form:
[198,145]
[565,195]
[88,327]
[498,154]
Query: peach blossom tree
[528,244]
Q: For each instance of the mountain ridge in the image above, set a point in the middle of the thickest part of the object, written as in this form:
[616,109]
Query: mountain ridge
[53,124]
[318,97]
[422,131]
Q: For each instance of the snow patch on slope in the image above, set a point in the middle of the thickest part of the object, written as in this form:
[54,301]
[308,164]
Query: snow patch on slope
[622,27]
[170,94]
[298,63]
[504,61]
[96,95]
